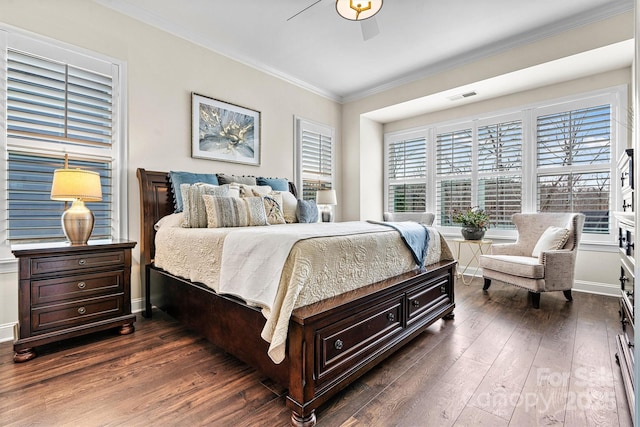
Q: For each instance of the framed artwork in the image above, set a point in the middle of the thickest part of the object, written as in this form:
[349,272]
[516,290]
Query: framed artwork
[223,131]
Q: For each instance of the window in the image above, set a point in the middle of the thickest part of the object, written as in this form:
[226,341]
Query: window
[314,166]
[406,174]
[574,164]
[59,102]
[555,157]
[453,175]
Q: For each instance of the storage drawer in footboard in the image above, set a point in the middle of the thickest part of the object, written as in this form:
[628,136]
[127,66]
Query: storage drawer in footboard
[356,337]
[428,299]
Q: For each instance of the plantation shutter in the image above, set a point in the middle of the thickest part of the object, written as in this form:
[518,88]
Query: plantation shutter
[316,158]
[55,108]
[453,170]
[573,159]
[406,175]
[500,171]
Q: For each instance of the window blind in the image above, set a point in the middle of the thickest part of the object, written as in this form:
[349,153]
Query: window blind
[577,137]
[406,174]
[52,108]
[454,165]
[52,101]
[579,142]
[316,158]
[32,215]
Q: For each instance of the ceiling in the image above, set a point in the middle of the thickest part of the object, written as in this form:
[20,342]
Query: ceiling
[323,52]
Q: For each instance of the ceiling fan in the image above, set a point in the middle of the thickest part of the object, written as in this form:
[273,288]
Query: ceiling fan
[359,10]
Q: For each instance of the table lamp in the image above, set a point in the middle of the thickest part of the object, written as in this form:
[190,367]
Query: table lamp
[77,186]
[326,199]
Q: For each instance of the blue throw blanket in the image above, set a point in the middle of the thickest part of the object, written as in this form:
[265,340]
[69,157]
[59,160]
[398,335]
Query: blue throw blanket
[414,235]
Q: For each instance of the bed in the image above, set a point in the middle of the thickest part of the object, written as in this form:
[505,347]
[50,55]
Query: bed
[329,343]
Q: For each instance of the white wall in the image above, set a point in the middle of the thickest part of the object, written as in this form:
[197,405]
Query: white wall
[163,70]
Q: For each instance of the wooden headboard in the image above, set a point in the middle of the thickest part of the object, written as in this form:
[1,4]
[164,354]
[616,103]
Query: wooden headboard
[156,201]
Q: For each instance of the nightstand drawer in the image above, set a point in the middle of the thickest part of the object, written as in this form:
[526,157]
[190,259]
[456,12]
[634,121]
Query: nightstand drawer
[61,316]
[76,287]
[66,263]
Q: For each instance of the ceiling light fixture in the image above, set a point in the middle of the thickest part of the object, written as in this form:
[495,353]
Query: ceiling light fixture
[359,11]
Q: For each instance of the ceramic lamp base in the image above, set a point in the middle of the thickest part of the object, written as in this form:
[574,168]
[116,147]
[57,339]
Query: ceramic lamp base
[77,223]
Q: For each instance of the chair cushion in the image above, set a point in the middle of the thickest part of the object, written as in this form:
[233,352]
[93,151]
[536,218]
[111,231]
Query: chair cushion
[523,266]
[553,238]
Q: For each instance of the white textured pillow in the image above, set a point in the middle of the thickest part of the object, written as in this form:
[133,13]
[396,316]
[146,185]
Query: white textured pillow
[553,238]
[233,212]
[289,206]
[195,214]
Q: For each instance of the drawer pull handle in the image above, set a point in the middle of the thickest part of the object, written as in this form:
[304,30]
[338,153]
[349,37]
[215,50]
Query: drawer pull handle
[82,310]
[82,285]
[82,261]
[391,317]
[415,303]
[338,344]
[443,289]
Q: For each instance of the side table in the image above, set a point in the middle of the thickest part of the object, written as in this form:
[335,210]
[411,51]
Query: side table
[477,247]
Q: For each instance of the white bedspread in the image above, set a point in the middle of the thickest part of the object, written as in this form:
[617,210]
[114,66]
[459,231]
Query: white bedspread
[262,251]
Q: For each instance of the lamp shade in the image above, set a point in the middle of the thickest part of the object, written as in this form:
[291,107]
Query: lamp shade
[359,9]
[326,197]
[76,184]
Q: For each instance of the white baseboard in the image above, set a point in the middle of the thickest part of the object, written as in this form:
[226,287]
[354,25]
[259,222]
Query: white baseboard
[6,332]
[137,305]
[597,288]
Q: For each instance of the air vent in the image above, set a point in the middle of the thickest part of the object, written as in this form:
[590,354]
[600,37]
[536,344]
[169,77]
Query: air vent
[463,95]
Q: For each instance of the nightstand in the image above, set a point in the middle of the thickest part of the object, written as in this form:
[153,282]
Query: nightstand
[66,291]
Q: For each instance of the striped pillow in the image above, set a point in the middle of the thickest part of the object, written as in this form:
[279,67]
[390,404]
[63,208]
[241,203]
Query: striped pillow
[195,214]
[233,212]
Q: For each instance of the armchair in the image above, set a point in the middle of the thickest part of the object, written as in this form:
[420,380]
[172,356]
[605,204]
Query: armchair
[542,259]
[425,218]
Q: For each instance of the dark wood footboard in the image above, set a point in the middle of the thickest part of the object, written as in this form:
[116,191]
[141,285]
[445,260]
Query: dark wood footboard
[330,343]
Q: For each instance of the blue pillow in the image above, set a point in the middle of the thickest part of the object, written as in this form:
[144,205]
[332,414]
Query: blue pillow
[178,178]
[307,211]
[276,184]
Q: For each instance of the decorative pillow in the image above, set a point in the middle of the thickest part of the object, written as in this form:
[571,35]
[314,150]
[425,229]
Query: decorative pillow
[307,211]
[289,206]
[228,179]
[232,212]
[253,190]
[553,238]
[195,213]
[273,208]
[277,184]
[178,178]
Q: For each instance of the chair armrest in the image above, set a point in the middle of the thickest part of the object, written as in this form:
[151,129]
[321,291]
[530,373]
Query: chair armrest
[559,269]
[507,249]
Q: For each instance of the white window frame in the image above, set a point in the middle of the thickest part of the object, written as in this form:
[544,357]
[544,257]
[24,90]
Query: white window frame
[616,96]
[14,38]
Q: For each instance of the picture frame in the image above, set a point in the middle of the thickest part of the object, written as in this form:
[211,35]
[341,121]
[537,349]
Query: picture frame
[223,131]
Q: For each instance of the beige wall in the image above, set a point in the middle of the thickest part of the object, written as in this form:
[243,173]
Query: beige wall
[162,72]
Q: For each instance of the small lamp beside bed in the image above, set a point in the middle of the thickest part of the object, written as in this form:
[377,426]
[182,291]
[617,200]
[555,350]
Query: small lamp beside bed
[326,199]
[77,186]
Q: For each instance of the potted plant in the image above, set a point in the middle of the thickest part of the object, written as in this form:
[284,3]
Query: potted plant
[475,222]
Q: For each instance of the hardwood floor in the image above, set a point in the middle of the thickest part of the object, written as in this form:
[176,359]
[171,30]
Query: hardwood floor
[498,363]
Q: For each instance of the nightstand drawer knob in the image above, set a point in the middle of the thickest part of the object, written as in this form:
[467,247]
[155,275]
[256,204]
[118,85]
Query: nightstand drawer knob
[82,310]
[338,345]
[82,261]
[82,285]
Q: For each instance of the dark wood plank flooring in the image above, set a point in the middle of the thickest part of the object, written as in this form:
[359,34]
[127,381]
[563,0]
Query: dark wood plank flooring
[498,363]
